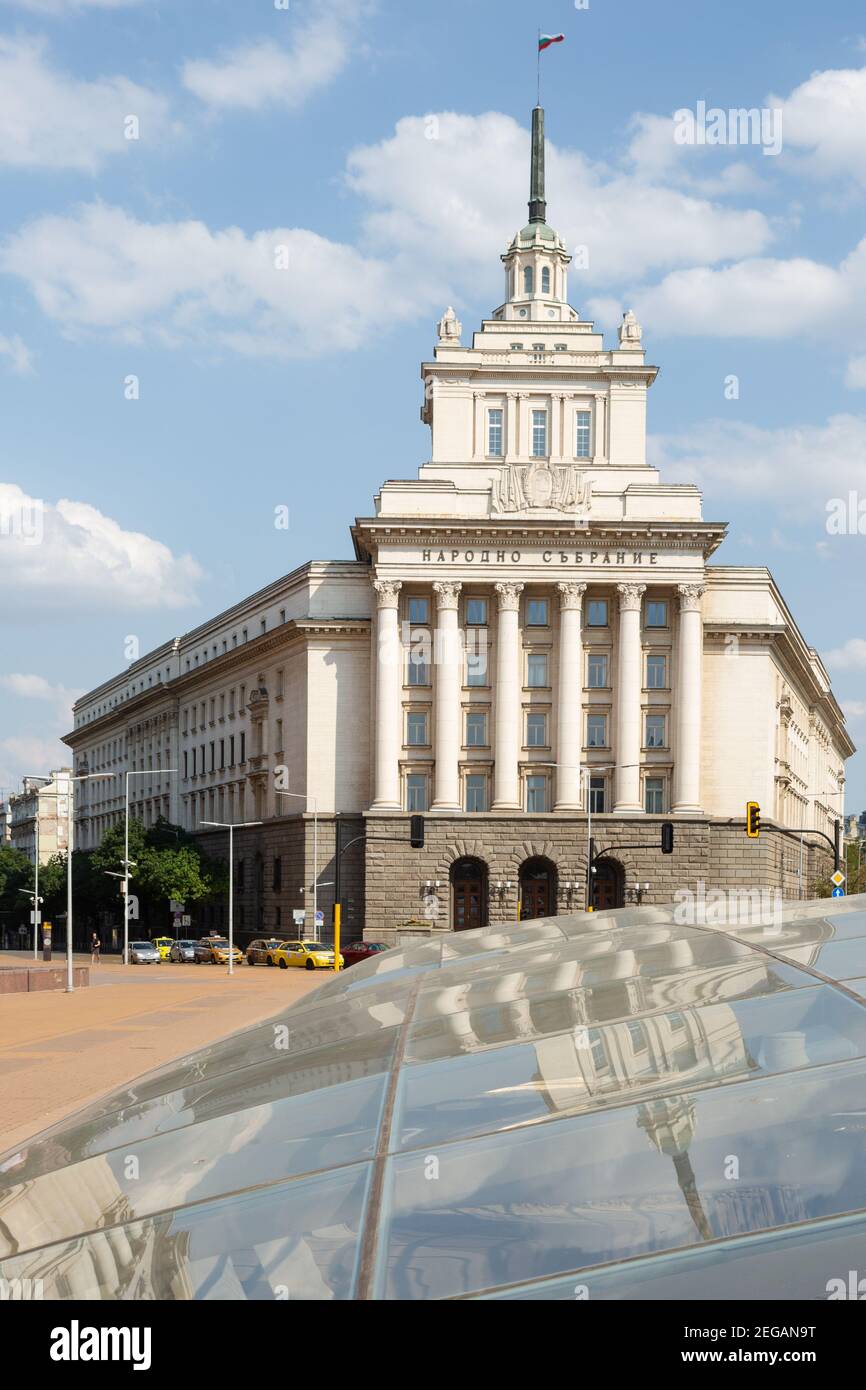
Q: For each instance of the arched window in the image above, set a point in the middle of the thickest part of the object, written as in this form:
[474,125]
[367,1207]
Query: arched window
[545,279]
[528,280]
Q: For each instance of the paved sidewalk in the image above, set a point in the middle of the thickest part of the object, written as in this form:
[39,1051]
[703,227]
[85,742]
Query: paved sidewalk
[60,1051]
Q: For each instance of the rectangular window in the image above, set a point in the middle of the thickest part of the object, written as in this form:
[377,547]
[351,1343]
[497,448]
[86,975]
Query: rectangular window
[536,794]
[596,670]
[243,747]
[279,747]
[278,874]
[537,612]
[240,874]
[231,704]
[416,728]
[280,683]
[583,435]
[539,434]
[232,751]
[494,434]
[476,791]
[476,612]
[418,660]
[655,731]
[536,670]
[654,795]
[212,757]
[657,613]
[597,795]
[222,753]
[185,770]
[476,730]
[596,612]
[536,730]
[419,610]
[656,672]
[596,731]
[416,791]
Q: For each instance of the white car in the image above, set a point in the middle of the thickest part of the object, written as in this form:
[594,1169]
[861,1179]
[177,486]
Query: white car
[143,953]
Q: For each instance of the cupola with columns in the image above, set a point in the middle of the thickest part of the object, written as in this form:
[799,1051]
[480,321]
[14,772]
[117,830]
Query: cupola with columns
[536,262]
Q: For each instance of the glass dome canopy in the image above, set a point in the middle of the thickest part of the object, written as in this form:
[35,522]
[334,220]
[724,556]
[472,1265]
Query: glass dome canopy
[611,1105]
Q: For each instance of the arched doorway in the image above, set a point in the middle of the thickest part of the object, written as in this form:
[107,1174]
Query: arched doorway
[468,894]
[537,888]
[608,885]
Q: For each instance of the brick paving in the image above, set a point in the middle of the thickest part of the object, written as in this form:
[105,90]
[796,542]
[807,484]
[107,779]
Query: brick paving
[59,1052]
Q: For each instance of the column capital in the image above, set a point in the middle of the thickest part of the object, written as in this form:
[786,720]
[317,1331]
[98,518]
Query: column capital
[630,596]
[509,596]
[447,593]
[690,597]
[388,591]
[571,595]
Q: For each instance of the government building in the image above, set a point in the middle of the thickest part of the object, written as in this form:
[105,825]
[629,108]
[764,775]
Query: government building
[534,645]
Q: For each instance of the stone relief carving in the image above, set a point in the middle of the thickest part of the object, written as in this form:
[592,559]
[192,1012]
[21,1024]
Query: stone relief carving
[521,487]
[446,593]
[629,331]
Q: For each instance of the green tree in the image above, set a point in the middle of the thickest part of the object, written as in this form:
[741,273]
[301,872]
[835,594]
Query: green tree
[16,872]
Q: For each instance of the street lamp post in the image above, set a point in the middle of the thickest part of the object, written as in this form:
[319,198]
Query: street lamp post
[226,825]
[136,772]
[302,796]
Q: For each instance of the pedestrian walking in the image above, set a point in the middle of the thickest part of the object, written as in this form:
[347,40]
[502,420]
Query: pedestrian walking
[95,947]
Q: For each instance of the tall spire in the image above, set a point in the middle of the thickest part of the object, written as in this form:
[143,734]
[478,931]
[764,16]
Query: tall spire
[537,202]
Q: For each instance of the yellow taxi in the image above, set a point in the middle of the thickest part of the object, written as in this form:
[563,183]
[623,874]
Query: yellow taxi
[306,955]
[214,950]
[163,944]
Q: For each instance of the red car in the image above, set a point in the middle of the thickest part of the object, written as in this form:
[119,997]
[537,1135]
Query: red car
[357,951]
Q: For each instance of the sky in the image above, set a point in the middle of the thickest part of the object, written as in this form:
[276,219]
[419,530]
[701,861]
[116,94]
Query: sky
[227,228]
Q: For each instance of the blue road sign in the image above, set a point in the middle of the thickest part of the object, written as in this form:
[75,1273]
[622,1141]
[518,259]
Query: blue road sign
[838,892]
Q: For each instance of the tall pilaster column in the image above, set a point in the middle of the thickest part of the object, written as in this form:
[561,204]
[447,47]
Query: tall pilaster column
[447,663]
[690,656]
[506,747]
[389,695]
[628,699]
[569,712]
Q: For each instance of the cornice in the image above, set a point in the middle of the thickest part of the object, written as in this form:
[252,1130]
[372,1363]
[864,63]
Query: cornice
[384,532]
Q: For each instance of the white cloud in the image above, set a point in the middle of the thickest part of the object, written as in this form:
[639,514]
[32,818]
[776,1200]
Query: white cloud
[50,706]
[19,356]
[446,189]
[854,709]
[270,73]
[855,374]
[67,556]
[799,468]
[822,124]
[180,282]
[849,657]
[30,755]
[50,120]
[763,298]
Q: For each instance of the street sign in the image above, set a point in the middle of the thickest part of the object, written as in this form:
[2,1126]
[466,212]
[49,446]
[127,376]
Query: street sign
[298,916]
[176,906]
[838,892]
[838,878]
[186,920]
[35,918]
[320,918]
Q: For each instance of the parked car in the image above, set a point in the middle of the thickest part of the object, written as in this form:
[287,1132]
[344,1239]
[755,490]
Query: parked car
[143,953]
[261,952]
[307,955]
[214,950]
[356,951]
[163,944]
[182,951]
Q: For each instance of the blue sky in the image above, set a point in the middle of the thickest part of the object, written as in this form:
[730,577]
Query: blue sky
[310,127]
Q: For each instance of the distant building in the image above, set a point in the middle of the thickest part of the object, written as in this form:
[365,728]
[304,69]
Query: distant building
[45,797]
[5,823]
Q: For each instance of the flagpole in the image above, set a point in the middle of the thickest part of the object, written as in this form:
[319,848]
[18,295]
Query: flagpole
[538,66]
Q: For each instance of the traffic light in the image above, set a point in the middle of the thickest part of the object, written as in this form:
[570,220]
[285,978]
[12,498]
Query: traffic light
[667,837]
[416,832]
[753,820]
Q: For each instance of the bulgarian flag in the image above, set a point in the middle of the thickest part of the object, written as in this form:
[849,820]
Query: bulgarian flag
[545,40]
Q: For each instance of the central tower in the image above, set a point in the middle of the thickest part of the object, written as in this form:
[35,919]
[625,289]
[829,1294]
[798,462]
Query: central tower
[536,262]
